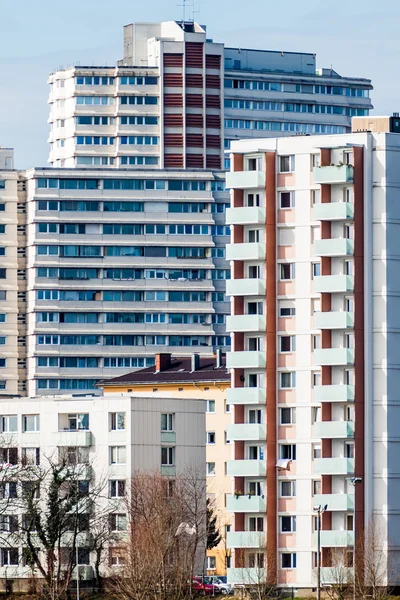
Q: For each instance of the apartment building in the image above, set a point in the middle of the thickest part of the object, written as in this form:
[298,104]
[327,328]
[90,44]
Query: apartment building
[186,378]
[111,437]
[119,268]
[177,99]
[315,298]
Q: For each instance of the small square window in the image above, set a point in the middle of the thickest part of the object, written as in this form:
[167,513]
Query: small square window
[211,406]
[210,437]
[210,468]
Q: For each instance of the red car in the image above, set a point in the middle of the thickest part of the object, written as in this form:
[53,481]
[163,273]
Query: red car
[204,589]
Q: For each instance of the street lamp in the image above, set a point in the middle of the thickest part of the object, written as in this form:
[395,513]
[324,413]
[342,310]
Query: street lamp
[354,481]
[319,510]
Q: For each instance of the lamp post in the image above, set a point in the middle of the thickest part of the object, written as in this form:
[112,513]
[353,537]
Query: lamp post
[319,510]
[354,481]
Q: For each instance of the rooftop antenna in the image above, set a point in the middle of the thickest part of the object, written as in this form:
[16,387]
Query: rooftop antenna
[186,4]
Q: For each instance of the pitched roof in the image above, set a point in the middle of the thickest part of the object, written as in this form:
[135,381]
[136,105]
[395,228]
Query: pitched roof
[178,371]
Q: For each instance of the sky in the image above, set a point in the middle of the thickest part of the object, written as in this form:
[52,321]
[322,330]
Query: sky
[358,38]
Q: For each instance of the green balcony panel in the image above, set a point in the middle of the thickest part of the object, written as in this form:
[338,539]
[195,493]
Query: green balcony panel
[246,539]
[245,504]
[246,395]
[334,393]
[334,320]
[335,539]
[334,283]
[333,211]
[73,438]
[168,470]
[168,437]
[248,359]
[334,356]
[334,466]
[245,215]
[335,502]
[334,247]
[247,432]
[245,180]
[246,468]
[333,174]
[245,287]
[243,323]
[335,575]
[246,576]
[334,429]
[245,251]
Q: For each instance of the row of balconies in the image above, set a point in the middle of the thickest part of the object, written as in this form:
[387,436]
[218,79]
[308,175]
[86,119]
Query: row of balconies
[322,430]
[256,576]
[322,393]
[332,174]
[257,539]
[257,287]
[254,359]
[322,320]
[322,466]
[256,250]
[248,503]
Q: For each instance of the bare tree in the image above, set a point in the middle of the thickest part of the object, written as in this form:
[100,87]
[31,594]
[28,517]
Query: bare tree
[166,538]
[338,583]
[376,568]
[256,572]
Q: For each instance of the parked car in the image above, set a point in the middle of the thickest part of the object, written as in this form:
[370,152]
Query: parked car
[204,589]
[223,587]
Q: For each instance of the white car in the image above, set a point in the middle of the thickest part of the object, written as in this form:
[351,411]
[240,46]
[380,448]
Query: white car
[223,588]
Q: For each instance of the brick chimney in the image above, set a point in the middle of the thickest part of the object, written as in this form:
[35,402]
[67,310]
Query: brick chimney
[163,362]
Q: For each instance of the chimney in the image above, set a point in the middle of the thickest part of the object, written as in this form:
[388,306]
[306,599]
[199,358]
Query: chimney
[195,362]
[163,362]
[218,361]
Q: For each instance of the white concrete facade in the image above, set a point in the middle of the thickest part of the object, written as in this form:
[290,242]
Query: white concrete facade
[319,354]
[117,436]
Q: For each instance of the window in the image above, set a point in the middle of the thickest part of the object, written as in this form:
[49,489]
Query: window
[286,164]
[286,200]
[117,488]
[287,416]
[227,408]
[78,422]
[168,422]
[287,271]
[287,380]
[316,414]
[349,522]
[316,487]
[117,455]
[288,560]
[9,490]
[211,563]
[168,456]
[315,270]
[256,560]
[256,524]
[316,451]
[3,273]
[211,406]
[9,557]
[288,451]
[349,450]
[315,197]
[210,470]
[253,200]
[117,421]
[77,455]
[348,339]
[30,423]
[288,489]
[118,522]
[9,455]
[286,308]
[349,377]
[315,378]
[348,267]
[315,342]
[288,524]
[117,557]
[287,343]
[210,437]
[9,423]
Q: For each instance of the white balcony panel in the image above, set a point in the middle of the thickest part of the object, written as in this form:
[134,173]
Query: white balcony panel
[245,215]
[245,287]
[245,251]
[243,323]
[246,395]
[248,359]
[245,180]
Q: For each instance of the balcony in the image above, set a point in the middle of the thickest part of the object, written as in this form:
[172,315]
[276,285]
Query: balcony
[246,539]
[247,432]
[334,356]
[245,251]
[334,430]
[334,174]
[245,180]
[334,575]
[246,395]
[333,211]
[245,215]
[248,359]
[334,320]
[334,283]
[246,504]
[168,470]
[335,539]
[334,247]
[335,502]
[245,287]
[246,323]
[334,393]
[247,468]
[84,538]
[168,437]
[73,438]
[246,576]
[334,466]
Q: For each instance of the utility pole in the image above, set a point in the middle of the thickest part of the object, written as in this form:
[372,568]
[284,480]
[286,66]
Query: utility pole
[319,510]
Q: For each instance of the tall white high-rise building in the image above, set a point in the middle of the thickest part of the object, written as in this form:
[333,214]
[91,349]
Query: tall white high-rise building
[177,99]
[315,302]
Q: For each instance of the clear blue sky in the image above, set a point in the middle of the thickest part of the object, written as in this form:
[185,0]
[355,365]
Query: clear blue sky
[358,38]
